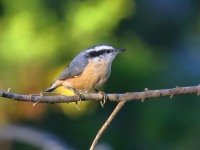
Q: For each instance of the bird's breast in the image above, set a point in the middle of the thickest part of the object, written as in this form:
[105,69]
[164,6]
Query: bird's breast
[93,76]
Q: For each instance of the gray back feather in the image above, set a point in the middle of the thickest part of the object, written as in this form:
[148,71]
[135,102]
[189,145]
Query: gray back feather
[75,68]
[78,64]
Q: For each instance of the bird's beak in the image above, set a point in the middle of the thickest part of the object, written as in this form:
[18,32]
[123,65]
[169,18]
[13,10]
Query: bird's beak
[120,50]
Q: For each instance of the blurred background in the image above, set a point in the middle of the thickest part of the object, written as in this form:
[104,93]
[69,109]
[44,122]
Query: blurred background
[39,38]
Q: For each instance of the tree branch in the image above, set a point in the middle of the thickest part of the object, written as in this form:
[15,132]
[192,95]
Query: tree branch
[121,98]
[42,98]
[108,121]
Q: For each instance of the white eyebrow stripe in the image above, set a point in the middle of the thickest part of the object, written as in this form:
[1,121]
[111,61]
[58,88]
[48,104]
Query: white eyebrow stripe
[99,48]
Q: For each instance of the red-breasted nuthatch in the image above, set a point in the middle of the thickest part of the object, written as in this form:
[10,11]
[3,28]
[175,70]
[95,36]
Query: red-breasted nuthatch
[88,70]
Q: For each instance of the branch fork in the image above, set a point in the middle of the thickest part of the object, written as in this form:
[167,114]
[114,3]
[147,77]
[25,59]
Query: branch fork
[121,98]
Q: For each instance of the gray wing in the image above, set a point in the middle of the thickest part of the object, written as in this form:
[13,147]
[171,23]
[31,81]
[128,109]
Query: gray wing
[75,68]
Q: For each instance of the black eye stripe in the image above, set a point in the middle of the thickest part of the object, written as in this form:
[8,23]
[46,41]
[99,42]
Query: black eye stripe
[98,53]
[108,51]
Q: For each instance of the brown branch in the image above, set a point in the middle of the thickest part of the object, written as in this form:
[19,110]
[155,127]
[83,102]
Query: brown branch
[42,98]
[121,98]
[108,121]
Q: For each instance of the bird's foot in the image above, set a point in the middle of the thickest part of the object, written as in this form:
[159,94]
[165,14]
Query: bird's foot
[104,97]
[80,97]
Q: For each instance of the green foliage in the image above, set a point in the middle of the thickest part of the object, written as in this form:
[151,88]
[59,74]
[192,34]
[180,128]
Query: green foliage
[39,38]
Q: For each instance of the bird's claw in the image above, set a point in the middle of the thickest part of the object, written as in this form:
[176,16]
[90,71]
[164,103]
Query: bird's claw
[77,106]
[80,97]
[105,97]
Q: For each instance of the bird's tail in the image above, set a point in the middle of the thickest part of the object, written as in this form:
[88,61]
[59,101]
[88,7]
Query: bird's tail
[53,86]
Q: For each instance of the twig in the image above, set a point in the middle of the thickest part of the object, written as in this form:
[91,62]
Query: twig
[98,97]
[108,121]
[121,98]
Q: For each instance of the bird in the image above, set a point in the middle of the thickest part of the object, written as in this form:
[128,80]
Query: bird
[89,70]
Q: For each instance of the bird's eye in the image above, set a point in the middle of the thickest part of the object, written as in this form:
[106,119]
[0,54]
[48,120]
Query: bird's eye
[108,51]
